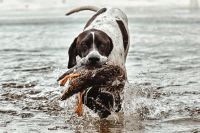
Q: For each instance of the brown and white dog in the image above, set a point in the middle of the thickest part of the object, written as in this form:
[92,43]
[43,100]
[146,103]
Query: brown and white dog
[105,38]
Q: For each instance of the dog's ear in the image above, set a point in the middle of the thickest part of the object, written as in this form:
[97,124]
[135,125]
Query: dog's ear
[72,54]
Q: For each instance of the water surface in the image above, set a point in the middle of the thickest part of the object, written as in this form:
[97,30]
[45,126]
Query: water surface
[163,67]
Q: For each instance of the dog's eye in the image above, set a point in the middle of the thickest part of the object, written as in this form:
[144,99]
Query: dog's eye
[84,45]
[101,46]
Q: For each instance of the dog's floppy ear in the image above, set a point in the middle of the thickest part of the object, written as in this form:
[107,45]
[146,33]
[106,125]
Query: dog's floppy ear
[72,54]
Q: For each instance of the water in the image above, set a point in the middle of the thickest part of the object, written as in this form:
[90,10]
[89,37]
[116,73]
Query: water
[163,67]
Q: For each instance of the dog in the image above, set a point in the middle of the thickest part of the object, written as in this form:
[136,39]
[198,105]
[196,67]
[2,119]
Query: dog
[105,37]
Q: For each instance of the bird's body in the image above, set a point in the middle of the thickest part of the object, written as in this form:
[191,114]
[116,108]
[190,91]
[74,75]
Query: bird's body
[104,83]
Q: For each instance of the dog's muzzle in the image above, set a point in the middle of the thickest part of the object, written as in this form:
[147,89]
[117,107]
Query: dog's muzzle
[94,58]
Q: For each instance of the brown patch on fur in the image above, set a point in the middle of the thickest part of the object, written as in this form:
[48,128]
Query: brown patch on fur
[124,33]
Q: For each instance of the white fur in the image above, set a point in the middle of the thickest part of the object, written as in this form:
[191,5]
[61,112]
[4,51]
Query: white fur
[93,40]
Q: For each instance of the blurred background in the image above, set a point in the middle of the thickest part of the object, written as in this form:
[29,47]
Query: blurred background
[49,4]
[163,65]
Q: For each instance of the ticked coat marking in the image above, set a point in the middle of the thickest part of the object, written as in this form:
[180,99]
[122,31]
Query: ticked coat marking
[114,23]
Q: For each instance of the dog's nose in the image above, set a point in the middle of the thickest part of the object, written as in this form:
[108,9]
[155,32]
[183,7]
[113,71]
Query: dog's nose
[94,59]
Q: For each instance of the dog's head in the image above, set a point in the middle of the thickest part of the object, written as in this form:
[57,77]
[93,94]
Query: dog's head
[93,45]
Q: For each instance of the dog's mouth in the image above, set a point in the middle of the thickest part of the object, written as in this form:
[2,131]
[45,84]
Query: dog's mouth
[94,65]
